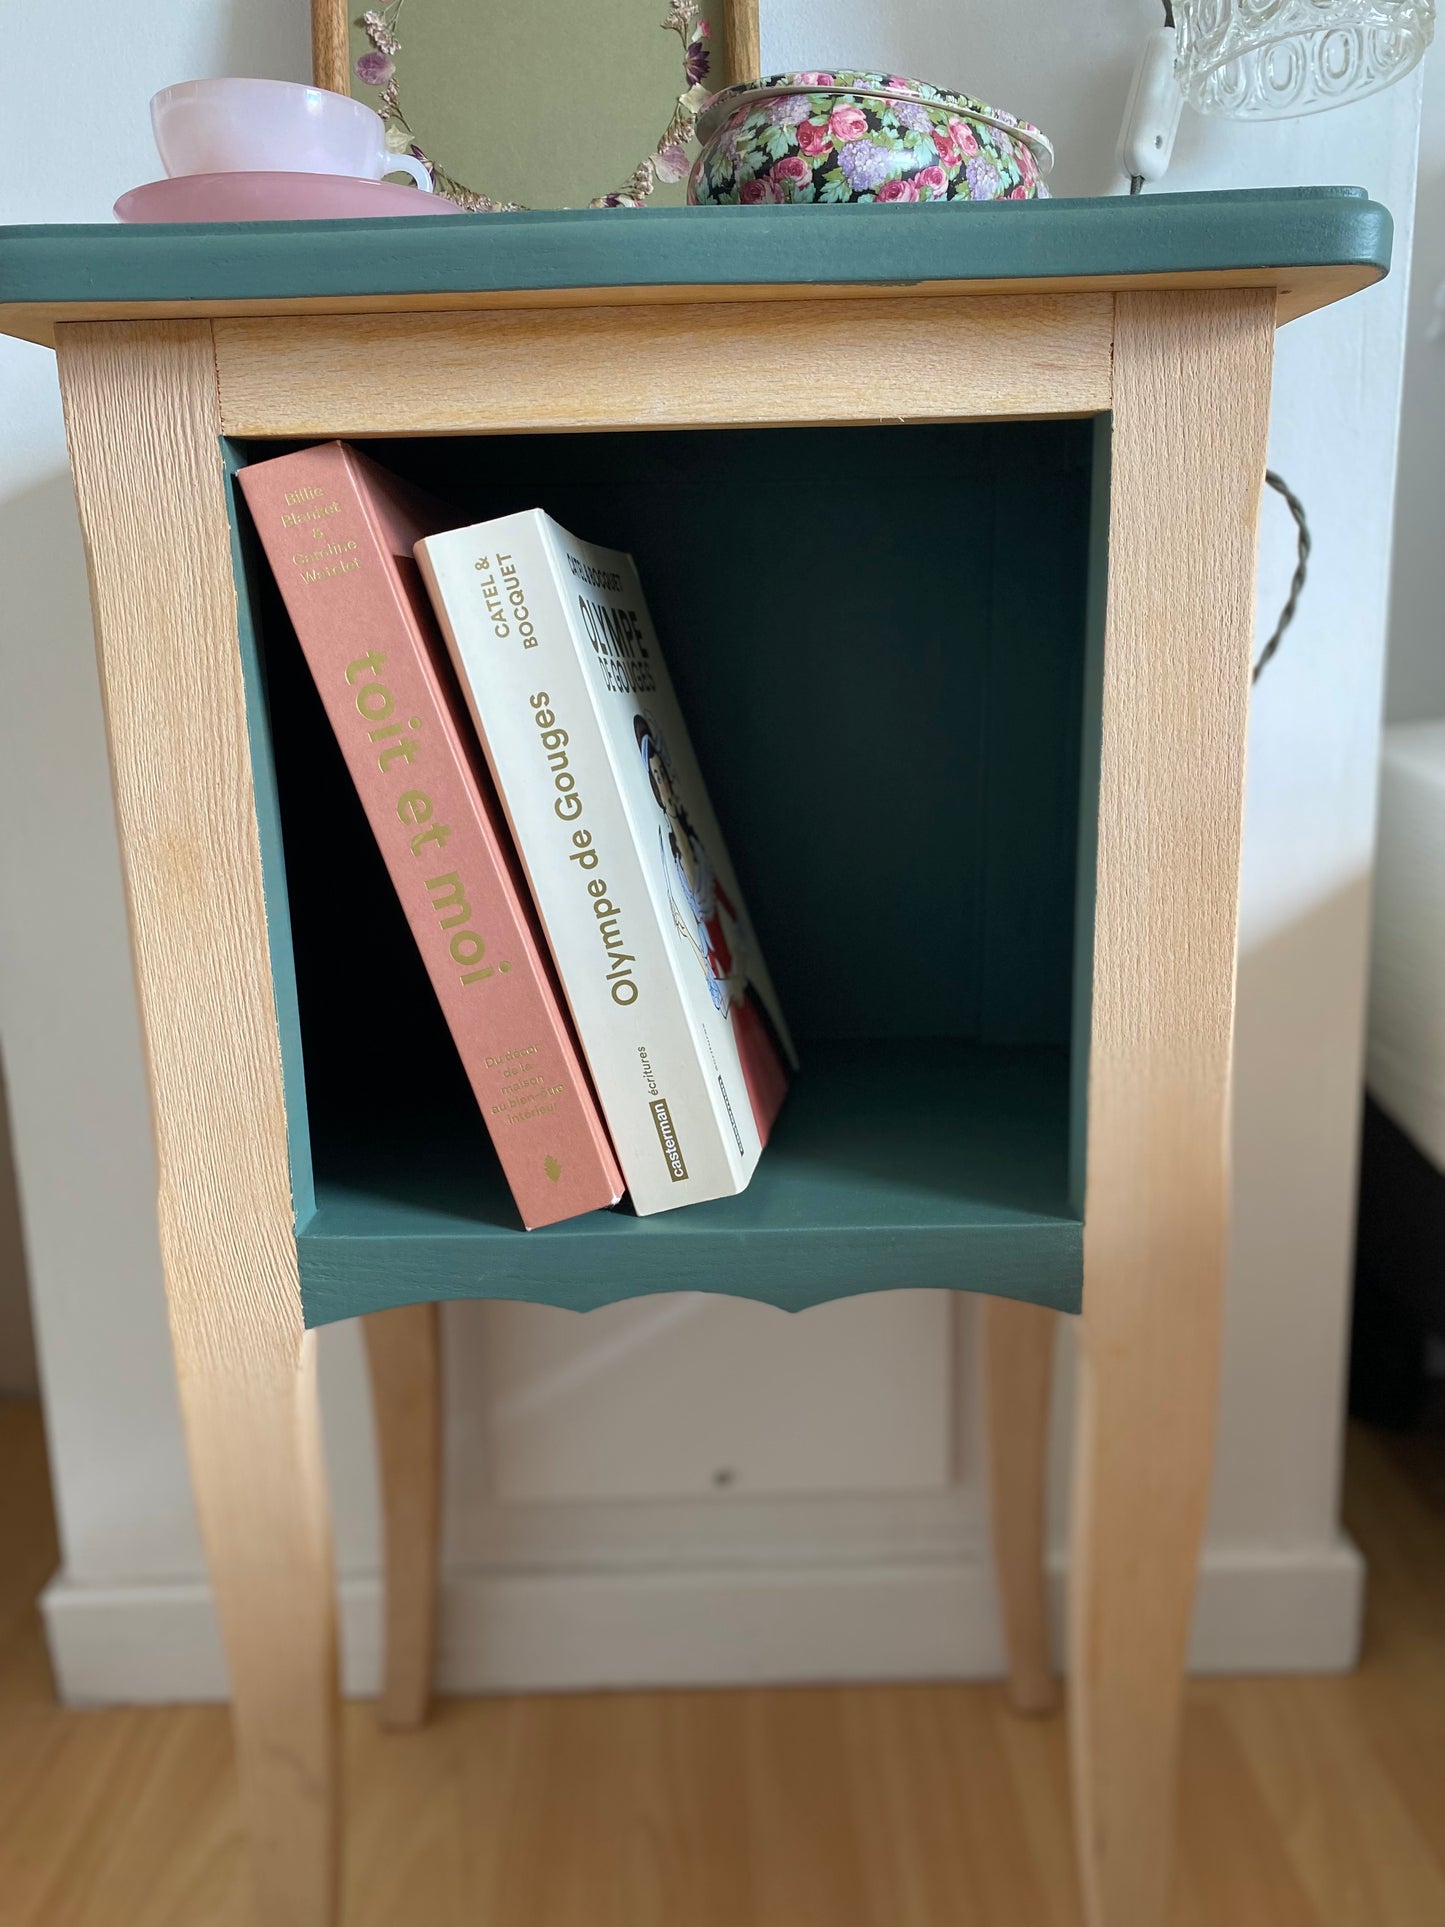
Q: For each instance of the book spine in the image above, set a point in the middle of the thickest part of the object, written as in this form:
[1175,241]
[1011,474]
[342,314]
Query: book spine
[509,627]
[389,709]
[635,702]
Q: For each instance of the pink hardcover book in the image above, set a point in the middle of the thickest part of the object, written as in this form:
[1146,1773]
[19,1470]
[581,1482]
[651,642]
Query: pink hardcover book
[338,532]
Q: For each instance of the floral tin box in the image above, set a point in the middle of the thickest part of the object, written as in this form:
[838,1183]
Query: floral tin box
[863,137]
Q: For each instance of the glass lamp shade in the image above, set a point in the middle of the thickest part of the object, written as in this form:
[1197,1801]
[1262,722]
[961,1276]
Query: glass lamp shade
[1269,59]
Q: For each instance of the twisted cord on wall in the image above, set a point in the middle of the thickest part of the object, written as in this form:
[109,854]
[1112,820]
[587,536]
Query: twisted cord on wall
[1301,568]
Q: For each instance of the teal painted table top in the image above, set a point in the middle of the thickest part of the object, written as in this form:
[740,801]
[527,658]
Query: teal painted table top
[1314,243]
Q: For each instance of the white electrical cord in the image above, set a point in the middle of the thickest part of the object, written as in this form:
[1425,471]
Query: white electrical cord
[1151,117]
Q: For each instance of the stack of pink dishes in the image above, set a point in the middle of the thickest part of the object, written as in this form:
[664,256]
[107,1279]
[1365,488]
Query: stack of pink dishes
[273,150]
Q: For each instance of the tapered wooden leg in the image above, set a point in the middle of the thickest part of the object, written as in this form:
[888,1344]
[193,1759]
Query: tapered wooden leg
[253,1440]
[404,1356]
[141,414]
[1191,398]
[1018,1374]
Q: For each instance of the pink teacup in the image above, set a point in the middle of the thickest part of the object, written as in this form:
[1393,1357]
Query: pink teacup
[275,127]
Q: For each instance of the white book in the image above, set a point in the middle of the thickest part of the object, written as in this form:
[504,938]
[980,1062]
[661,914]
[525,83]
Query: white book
[678,1019]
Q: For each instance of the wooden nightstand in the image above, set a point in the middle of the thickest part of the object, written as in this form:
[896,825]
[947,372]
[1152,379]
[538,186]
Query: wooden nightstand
[969,496]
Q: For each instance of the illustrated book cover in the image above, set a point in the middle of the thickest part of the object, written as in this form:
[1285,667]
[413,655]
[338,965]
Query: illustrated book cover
[339,532]
[677,1016]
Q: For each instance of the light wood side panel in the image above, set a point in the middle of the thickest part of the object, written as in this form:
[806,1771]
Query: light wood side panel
[141,415]
[752,364]
[1018,1378]
[403,1355]
[331,45]
[1191,409]
[741,39]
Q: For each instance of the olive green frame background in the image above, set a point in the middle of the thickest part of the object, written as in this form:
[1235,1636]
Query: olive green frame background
[548,104]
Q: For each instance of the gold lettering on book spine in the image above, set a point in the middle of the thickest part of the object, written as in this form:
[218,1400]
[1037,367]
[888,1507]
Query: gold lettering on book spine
[375,704]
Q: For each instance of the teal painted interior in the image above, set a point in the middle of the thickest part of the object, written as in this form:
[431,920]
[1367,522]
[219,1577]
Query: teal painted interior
[252,575]
[1109,236]
[1091,737]
[897,1162]
[879,639]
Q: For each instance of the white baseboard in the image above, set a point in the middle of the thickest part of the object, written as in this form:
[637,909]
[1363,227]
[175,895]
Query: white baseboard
[555,1631]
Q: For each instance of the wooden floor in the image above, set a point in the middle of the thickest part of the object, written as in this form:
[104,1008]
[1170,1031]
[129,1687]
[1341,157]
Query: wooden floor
[1306,1802]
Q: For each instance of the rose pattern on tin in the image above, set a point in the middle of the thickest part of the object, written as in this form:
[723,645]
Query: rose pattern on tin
[829,143]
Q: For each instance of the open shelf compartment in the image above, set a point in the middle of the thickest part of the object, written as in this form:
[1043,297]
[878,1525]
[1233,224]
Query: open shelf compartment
[881,640]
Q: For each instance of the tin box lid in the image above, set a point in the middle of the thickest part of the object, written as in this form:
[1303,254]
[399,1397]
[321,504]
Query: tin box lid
[840,84]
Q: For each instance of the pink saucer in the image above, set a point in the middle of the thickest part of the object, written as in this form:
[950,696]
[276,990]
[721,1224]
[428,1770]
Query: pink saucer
[275,197]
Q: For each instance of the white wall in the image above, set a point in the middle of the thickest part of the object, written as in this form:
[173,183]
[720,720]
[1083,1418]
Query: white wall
[580,1545]
[1417,609]
[17,1342]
